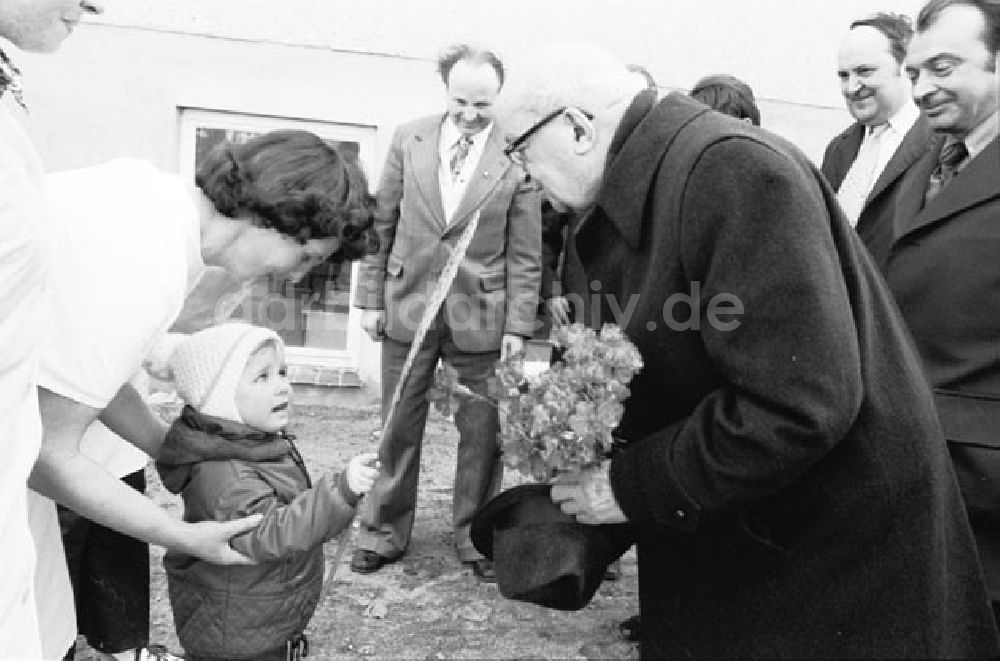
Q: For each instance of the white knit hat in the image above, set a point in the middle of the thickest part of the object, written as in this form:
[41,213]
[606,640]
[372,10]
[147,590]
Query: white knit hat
[207,366]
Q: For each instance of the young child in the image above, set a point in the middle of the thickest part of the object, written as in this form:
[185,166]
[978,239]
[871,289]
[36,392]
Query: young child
[234,381]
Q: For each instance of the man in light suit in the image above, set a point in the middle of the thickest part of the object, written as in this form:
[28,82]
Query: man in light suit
[943,266]
[865,163]
[440,172]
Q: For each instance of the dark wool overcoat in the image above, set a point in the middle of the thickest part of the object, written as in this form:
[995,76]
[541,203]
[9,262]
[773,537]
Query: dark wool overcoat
[944,269]
[785,471]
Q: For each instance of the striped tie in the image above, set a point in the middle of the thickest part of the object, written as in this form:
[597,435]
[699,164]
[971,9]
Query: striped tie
[458,156]
[951,157]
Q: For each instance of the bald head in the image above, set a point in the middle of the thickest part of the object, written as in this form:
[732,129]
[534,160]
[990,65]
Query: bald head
[559,110]
[568,74]
[870,71]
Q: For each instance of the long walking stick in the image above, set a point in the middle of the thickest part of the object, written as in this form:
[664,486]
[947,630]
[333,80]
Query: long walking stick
[433,305]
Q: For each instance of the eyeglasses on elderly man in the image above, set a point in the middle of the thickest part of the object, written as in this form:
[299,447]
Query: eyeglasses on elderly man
[515,148]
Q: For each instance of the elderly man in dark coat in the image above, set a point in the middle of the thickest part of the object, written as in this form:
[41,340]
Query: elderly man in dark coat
[785,475]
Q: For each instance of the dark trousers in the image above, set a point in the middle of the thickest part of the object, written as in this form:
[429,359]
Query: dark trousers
[110,576]
[387,512]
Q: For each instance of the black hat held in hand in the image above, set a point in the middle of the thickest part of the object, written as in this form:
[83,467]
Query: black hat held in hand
[542,555]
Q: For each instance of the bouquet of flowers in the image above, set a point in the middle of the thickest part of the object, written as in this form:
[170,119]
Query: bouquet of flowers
[559,420]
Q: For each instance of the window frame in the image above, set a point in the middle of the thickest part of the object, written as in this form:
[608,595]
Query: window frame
[190,119]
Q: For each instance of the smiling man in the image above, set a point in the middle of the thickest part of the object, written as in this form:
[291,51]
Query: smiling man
[944,270]
[785,478]
[865,163]
[441,171]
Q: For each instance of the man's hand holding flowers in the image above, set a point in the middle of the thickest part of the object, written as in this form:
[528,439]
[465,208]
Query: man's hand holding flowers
[587,496]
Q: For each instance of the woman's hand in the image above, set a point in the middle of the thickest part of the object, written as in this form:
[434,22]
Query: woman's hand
[209,540]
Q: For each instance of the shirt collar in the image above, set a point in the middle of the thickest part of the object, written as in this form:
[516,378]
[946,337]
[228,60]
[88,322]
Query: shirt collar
[901,122]
[450,133]
[634,114]
[905,117]
[644,134]
[982,135]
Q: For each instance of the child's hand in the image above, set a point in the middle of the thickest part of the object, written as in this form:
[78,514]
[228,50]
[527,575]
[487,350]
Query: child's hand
[361,472]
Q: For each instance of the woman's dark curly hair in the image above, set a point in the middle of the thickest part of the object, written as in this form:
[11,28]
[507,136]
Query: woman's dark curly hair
[293,182]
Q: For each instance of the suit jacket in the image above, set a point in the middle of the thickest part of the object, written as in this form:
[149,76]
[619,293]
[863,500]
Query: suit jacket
[784,470]
[944,269]
[555,225]
[875,222]
[496,289]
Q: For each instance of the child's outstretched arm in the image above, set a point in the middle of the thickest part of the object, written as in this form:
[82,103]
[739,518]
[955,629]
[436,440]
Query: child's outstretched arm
[311,518]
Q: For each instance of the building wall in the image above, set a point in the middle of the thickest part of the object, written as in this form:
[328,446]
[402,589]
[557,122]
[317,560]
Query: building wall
[779,45]
[119,92]
[371,62]
[117,86]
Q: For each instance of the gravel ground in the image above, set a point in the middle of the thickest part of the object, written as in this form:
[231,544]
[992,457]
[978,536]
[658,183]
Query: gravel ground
[426,605]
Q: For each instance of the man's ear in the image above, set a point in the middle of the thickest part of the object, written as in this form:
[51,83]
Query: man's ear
[584,131]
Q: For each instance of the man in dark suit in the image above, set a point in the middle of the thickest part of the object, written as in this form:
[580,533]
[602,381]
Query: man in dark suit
[440,172]
[784,472]
[943,266]
[866,162]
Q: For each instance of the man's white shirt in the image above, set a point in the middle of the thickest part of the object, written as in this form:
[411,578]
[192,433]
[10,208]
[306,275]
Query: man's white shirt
[453,188]
[899,125]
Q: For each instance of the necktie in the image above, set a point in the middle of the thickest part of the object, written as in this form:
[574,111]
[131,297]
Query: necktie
[949,160]
[860,177]
[10,79]
[459,154]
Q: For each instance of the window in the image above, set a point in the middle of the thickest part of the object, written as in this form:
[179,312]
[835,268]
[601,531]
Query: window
[313,316]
